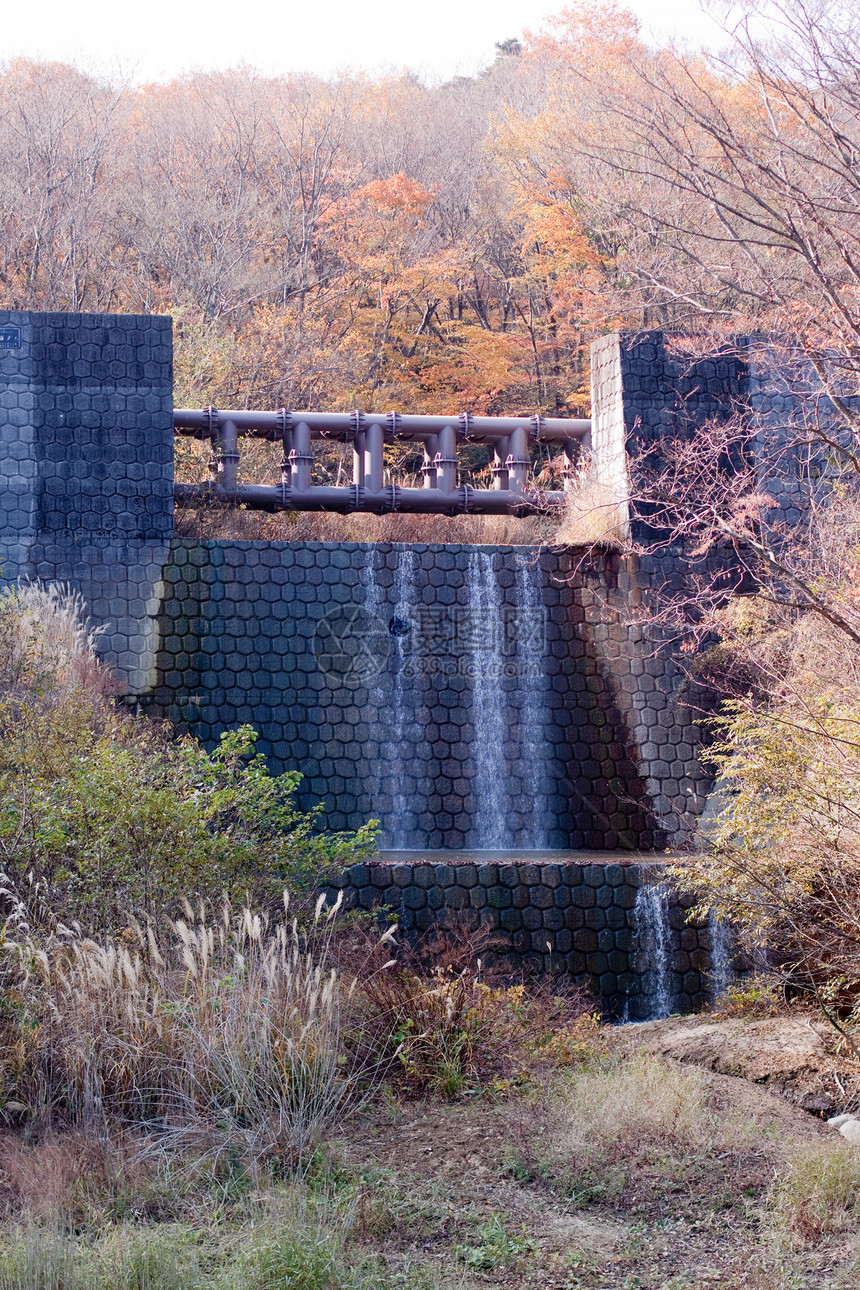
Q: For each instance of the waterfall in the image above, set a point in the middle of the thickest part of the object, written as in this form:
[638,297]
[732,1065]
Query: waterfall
[534,752]
[486,666]
[722,951]
[376,680]
[654,937]
[401,746]
[475,670]
[392,702]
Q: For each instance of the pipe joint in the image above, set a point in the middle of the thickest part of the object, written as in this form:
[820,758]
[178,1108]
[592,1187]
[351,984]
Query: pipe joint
[392,423]
[464,497]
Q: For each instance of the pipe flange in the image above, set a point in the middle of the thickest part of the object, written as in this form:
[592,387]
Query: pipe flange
[464,498]
[393,501]
[285,421]
[356,421]
[464,421]
[392,423]
[286,494]
[356,498]
[210,429]
[536,425]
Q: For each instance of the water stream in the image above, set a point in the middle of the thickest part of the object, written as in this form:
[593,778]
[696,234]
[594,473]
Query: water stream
[535,752]
[478,671]
[654,938]
[403,744]
[486,666]
[722,953]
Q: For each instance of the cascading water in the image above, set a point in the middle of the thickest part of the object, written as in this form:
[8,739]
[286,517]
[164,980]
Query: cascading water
[481,661]
[375,678]
[534,753]
[486,666]
[654,939]
[401,750]
[722,952]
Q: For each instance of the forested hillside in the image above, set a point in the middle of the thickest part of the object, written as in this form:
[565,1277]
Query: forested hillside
[379,243]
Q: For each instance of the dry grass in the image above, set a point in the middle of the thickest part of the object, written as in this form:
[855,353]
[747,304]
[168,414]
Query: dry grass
[593,513]
[627,1132]
[46,642]
[220,1036]
[230,523]
[819,1193]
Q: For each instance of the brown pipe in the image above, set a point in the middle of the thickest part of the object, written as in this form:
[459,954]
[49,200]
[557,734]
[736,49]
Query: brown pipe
[417,501]
[342,424]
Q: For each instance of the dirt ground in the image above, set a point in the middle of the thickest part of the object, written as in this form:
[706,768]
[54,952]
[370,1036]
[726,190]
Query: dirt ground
[439,1176]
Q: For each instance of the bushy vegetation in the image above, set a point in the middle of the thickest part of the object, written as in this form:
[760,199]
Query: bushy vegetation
[106,815]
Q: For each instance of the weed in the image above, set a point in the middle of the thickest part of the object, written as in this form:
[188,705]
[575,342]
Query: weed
[496,1246]
[620,1127]
[750,1000]
[817,1194]
[225,1041]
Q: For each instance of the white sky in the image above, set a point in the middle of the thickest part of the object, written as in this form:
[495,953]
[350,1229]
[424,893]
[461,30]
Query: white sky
[151,40]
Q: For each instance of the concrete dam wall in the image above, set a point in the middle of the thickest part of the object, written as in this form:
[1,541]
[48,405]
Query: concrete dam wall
[508,701]
[466,697]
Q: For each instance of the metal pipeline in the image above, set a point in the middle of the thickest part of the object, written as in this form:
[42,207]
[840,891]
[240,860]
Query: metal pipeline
[392,498]
[510,438]
[342,425]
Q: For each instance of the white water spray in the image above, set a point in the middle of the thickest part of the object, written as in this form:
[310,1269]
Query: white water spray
[534,752]
[654,936]
[722,951]
[404,735]
[486,664]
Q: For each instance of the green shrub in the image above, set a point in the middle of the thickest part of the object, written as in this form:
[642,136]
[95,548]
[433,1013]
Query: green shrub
[105,814]
[496,1247]
[134,821]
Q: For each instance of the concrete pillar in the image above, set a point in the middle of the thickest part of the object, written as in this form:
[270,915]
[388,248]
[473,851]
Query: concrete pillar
[86,468]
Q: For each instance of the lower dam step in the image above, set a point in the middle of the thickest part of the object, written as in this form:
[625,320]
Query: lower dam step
[604,920]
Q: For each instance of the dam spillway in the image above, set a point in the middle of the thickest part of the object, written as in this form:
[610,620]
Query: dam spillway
[495,699]
[463,696]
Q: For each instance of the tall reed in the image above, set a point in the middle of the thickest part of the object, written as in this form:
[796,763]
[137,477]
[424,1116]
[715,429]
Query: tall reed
[219,1035]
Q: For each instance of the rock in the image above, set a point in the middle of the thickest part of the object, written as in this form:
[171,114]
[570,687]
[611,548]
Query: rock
[775,1049]
[837,1121]
[850,1131]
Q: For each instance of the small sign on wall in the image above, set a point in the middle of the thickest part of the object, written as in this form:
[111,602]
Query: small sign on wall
[10,337]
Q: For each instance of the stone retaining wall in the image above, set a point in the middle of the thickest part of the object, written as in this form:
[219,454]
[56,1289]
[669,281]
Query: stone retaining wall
[577,919]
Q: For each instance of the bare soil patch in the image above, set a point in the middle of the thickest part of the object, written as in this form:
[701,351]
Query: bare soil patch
[651,1215]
